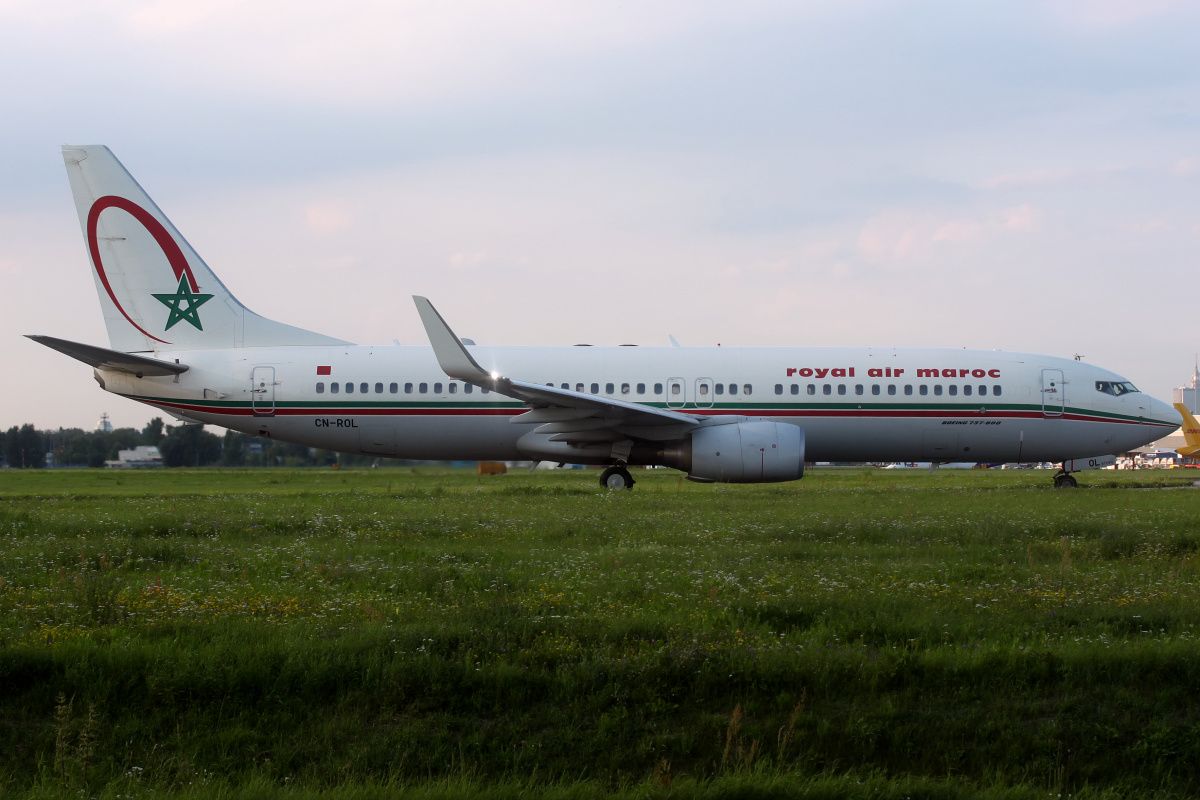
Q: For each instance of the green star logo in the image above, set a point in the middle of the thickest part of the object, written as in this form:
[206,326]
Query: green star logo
[184,304]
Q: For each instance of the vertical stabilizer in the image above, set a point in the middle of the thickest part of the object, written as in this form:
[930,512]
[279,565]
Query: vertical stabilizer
[156,292]
[1191,433]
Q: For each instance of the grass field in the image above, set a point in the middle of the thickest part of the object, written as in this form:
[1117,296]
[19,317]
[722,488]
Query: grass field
[432,633]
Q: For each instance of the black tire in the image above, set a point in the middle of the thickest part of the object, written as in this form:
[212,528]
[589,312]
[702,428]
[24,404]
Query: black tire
[616,478]
[1065,481]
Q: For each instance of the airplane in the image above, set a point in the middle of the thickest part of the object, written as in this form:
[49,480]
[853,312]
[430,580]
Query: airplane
[179,341]
[1191,433]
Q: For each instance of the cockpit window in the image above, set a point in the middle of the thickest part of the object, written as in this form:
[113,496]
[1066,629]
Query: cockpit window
[1115,388]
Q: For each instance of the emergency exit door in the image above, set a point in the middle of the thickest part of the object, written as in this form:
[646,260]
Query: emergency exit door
[1054,396]
[262,391]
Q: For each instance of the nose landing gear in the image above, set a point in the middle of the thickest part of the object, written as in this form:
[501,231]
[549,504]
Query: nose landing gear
[1065,480]
[616,478]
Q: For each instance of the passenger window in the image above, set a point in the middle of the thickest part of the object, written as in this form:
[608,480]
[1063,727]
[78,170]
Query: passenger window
[565,386]
[704,390]
[675,387]
[437,388]
[924,390]
[468,388]
[858,388]
[482,390]
[953,390]
[874,388]
[579,388]
[908,388]
[423,388]
[747,388]
[609,388]
[720,388]
[349,388]
[982,389]
[595,388]
[812,388]
[408,388]
[657,388]
[320,388]
[779,388]
[996,390]
[841,388]
[363,388]
[393,388]
[641,388]
[967,390]
[379,388]
[826,388]
[333,387]
[795,388]
[733,388]
[937,389]
[624,388]
[453,387]
[891,388]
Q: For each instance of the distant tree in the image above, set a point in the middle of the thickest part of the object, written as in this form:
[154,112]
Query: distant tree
[23,448]
[233,452]
[97,448]
[10,441]
[190,446]
[62,444]
[154,432]
[122,439]
[286,454]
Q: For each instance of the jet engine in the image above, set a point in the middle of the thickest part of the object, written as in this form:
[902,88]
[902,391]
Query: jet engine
[741,452]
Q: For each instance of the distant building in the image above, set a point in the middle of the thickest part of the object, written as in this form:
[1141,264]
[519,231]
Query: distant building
[1189,395]
[103,426]
[140,456]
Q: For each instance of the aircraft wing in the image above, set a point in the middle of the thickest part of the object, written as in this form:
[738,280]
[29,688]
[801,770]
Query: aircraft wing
[103,358]
[569,416]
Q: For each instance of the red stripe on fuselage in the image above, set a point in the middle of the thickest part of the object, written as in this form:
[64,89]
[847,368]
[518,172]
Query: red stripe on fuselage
[433,411]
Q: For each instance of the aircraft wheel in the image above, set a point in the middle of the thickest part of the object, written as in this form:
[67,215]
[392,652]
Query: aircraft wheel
[616,478]
[1065,481]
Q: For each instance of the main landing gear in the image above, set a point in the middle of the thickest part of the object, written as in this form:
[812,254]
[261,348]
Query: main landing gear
[1065,480]
[616,478]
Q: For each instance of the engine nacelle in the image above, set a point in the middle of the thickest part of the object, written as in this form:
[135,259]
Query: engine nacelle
[742,452]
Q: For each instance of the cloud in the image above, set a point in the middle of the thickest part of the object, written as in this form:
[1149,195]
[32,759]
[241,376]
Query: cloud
[1108,14]
[1037,177]
[1186,166]
[1152,227]
[326,217]
[960,230]
[1019,218]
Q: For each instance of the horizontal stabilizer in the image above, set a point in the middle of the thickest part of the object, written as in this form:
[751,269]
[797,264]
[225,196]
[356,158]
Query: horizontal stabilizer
[103,358]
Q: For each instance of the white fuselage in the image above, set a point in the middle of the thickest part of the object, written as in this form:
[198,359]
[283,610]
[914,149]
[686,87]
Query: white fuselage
[854,404]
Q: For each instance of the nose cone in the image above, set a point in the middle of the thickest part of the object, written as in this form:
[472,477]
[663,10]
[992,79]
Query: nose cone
[1164,413]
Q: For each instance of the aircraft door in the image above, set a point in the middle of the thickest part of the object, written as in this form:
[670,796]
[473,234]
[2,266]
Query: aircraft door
[262,391]
[1054,398]
[676,396]
[704,393]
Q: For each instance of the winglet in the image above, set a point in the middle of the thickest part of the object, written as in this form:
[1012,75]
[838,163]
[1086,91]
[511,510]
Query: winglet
[452,356]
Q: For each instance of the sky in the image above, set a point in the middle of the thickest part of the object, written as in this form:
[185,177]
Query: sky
[1021,175]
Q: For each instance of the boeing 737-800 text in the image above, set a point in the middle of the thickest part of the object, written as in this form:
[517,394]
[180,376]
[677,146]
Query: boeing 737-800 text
[181,342]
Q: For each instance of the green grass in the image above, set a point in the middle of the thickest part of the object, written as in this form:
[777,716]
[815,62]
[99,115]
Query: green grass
[427,633]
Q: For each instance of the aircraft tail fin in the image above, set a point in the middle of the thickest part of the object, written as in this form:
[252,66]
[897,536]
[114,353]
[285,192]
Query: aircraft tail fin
[155,290]
[1191,433]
